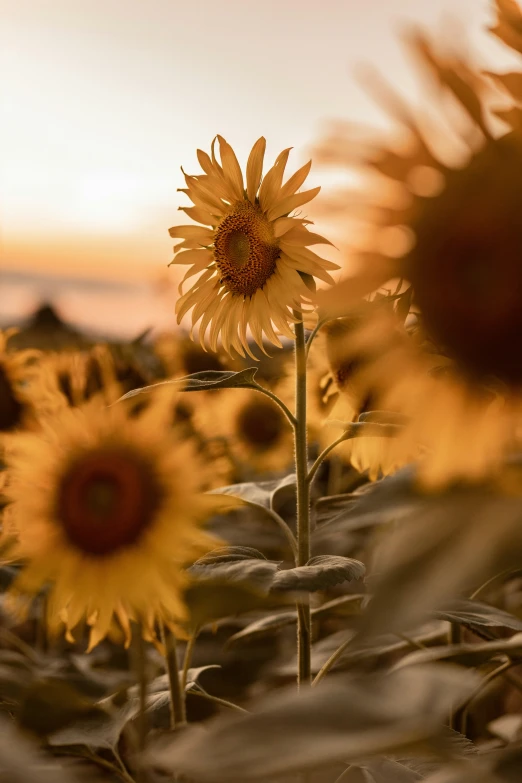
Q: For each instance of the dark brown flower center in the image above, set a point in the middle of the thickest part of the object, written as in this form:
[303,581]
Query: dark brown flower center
[11,409]
[106,500]
[260,424]
[245,249]
[466,268]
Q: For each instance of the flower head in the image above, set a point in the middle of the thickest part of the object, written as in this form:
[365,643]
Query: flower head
[457,377]
[252,257]
[112,517]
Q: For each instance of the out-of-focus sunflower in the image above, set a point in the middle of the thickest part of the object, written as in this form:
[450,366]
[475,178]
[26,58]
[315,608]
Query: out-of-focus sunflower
[84,375]
[350,394]
[26,389]
[112,516]
[255,267]
[462,229]
[256,430]
[181,356]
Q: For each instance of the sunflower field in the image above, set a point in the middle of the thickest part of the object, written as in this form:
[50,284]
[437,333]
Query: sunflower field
[283,542]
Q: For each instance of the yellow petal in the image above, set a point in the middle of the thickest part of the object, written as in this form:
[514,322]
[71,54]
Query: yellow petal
[231,168]
[272,181]
[254,168]
[295,181]
[292,202]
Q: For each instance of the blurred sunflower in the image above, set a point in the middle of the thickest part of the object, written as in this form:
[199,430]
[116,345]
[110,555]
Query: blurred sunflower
[112,517]
[84,375]
[254,265]
[256,430]
[461,233]
[181,356]
[350,393]
[26,389]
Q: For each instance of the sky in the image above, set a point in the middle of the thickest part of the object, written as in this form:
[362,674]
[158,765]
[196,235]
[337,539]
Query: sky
[103,101]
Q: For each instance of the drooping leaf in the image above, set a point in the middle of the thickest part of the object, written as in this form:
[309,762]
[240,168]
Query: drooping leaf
[319,573]
[430,534]
[21,762]
[345,719]
[466,654]
[228,581]
[263,494]
[206,380]
[49,705]
[475,614]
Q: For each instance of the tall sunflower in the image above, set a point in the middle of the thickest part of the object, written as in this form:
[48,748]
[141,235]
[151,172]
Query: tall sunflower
[26,388]
[112,516]
[255,267]
[458,210]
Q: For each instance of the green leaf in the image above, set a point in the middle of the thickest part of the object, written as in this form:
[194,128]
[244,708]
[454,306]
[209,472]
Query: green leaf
[466,654]
[49,705]
[345,719]
[226,582]
[22,763]
[206,380]
[475,614]
[264,627]
[319,573]
[343,606]
[263,494]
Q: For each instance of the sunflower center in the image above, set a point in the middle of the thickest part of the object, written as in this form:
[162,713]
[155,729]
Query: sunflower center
[11,410]
[466,268]
[245,249]
[106,501]
[260,424]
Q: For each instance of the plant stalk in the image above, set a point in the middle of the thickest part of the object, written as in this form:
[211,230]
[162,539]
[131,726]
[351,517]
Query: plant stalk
[178,711]
[303,505]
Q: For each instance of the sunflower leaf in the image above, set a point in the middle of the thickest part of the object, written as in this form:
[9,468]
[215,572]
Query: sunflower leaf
[347,718]
[466,654]
[228,581]
[262,494]
[206,380]
[475,614]
[319,573]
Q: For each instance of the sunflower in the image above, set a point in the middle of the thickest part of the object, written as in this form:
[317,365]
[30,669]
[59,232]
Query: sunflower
[457,211]
[181,356]
[26,389]
[256,430]
[112,517]
[252,257]
[351,392]
[84,375]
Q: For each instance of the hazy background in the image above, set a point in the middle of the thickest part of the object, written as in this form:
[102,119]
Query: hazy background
[101,102]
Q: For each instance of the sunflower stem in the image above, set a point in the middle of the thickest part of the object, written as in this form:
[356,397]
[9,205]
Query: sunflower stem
[187,658]
[303,505]
[139,658]
[288,413]
[178,712]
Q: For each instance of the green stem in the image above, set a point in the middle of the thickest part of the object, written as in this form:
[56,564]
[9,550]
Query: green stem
[187,659]
[313,335]
[334,657]
[322,456]
[288,413]
[304,675]
[178,714]
[140,667]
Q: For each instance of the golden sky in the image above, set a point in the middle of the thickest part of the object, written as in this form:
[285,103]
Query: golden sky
[104,100]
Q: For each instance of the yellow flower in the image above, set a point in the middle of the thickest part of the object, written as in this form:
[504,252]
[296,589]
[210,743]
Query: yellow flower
[26,389]
[112,516]
[257,431]
[255,269]
[84,375]
[460,227]
[181,356]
